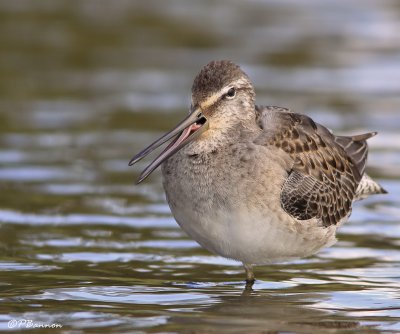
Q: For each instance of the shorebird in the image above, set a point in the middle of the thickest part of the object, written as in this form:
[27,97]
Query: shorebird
[258,184]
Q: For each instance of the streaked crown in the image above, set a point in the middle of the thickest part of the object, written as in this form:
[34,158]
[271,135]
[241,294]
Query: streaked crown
[217,76]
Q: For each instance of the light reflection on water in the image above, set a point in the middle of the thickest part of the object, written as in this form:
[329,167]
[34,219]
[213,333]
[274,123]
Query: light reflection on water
[84,86]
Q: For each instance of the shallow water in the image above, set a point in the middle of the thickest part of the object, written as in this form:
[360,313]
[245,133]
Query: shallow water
[85,85]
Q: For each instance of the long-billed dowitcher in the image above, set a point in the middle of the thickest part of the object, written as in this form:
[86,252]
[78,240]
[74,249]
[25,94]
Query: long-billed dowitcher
[257,184]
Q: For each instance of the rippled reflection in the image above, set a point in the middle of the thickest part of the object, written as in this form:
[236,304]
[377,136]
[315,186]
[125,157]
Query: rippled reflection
[85,85]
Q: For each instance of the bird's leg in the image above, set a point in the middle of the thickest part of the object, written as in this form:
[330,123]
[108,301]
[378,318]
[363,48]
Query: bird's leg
[249,274]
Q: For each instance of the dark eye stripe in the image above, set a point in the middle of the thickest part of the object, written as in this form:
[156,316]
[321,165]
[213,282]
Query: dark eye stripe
[236,90]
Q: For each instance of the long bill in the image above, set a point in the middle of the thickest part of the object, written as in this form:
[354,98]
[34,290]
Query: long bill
[186,131]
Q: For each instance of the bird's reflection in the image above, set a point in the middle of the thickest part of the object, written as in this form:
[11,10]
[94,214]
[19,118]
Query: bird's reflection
[257,310]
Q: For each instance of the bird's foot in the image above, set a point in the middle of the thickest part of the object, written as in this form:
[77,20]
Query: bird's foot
[249,275]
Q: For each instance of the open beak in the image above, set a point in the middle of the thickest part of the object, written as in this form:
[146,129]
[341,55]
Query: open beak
[186,131]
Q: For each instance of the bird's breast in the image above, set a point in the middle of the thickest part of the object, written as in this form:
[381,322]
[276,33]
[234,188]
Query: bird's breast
[244,174]
[230,204]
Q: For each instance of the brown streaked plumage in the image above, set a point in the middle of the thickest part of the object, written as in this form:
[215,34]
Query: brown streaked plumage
[326,168]
[257,184]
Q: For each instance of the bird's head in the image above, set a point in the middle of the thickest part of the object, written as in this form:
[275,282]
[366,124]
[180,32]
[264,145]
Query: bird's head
[222,91]
[222,97]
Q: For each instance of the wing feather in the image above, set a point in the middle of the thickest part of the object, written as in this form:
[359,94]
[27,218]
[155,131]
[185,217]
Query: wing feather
[326,169]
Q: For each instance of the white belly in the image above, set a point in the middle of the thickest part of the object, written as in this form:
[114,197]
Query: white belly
[255,238]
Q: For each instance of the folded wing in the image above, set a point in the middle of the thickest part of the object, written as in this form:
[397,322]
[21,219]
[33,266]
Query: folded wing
[326,169]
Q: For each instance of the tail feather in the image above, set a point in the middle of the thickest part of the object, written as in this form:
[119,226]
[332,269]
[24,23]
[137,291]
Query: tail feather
[356,148]
[368,186]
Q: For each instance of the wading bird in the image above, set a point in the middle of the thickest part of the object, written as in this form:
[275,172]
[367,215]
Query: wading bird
[257,184]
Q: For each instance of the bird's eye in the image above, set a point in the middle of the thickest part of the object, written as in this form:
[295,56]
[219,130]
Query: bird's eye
[231,93]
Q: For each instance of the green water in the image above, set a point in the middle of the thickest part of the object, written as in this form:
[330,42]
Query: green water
[86,84]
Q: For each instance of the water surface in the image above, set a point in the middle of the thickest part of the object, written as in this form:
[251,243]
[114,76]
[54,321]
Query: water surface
[85,85]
